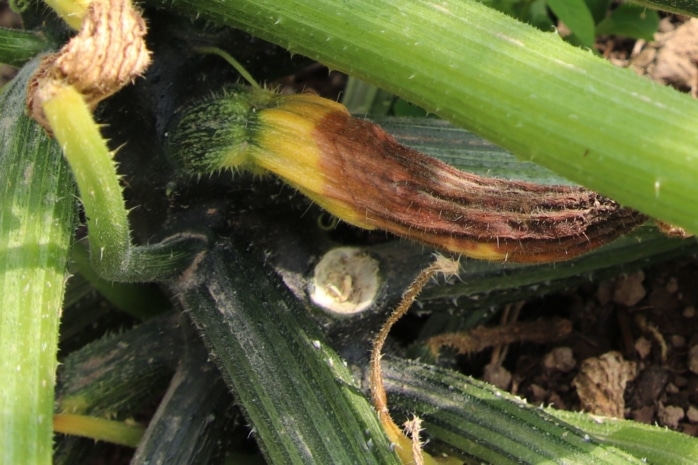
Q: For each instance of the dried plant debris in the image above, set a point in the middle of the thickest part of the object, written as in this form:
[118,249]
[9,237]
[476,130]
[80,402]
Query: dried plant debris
[108,53]
[409,449]
[601,384]
[475,340]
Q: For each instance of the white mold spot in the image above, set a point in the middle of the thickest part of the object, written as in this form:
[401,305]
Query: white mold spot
[345,281]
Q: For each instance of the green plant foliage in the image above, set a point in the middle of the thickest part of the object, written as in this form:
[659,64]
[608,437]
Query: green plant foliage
[527,90]
[538,16]
[18,47]
[598,9]
[533,12]
[682,7]
[37,213]
[630,21]
[577,16]
[586,19]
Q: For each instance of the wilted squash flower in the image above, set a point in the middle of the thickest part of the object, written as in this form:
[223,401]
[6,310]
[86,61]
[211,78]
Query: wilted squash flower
[359,173]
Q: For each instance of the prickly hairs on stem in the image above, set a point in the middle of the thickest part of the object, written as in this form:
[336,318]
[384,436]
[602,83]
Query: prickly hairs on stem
[409,450]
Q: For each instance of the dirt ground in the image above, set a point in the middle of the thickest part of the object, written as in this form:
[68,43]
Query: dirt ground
[632,350]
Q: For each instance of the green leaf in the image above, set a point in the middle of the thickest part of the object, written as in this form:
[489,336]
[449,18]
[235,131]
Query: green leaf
[538,16]
[598,9]
[303,403]
[653,444]
[478,420]
[37,211]
[630,21]
[576,15]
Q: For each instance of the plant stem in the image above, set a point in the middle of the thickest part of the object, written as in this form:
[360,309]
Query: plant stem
[112,254]
[99,429]
[139,300]
[37,211]
[72,11]
[527,90]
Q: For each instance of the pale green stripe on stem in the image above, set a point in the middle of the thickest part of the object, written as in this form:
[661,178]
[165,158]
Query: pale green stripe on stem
[112,254]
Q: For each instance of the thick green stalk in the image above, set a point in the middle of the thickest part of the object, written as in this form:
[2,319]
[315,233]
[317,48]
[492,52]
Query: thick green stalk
[18,47]
[37,210]
[524,89]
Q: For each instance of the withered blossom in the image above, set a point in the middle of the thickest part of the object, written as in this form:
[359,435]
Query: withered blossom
[356,171]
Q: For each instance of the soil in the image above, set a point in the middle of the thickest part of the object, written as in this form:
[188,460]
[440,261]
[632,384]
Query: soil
[632,352]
